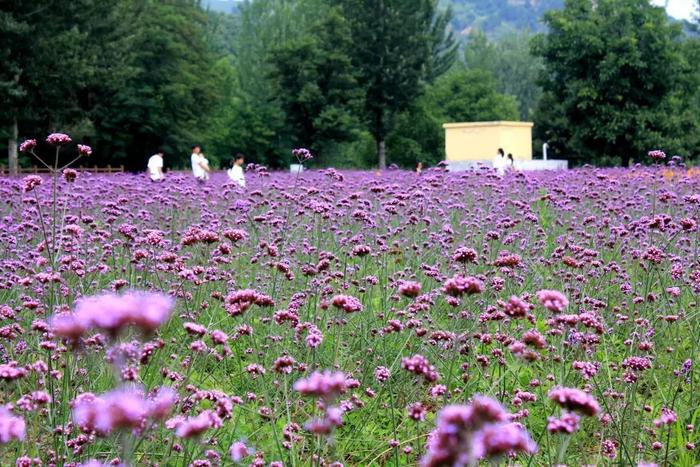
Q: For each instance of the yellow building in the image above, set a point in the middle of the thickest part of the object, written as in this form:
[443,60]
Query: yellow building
[479,141]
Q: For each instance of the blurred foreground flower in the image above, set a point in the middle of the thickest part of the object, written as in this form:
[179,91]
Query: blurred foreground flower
[112,313]
[466,434]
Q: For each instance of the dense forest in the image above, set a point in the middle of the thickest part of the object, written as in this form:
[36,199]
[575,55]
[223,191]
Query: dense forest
[362,83]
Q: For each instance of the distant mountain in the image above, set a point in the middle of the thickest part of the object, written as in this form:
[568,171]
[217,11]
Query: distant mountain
[492,16]
[488,16]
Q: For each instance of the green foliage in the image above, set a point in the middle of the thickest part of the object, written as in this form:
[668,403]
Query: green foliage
[249,116]
[471,96]
[463,95]
[509,60]
[492,16]
[612,82]
[394,41]
[316,85]
[164,98]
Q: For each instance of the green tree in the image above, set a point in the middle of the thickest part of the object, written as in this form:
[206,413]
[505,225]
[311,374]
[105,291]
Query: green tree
[49,57]
[611,67]
[249,116]
[510,61]
[316,85]
[394,41]
[462,95]
[164,98]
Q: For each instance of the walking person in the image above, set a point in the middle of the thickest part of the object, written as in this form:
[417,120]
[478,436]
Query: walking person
[155,167]
[511,163]
[499,163]
[235,173]
[200,165]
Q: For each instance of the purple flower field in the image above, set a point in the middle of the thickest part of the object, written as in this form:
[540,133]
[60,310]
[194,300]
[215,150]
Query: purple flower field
[351,318]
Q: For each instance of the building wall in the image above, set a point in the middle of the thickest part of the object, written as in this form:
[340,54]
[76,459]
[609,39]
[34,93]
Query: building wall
[479,141]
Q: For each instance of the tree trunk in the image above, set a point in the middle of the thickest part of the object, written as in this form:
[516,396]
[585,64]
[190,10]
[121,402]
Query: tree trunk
[381,152]
[12,149]
[626,160]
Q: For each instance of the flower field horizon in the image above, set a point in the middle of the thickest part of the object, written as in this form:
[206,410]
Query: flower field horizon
[351,318]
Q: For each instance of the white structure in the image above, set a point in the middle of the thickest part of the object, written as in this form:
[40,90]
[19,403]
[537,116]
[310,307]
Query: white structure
[533,164]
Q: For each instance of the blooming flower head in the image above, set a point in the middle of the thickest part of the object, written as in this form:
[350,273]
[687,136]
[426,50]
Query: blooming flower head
[69,175]
[460,285]
[347,303]
[516,307]
[84,150]
[667,417]
[27,145]
[552,300]
[657,155]
[465,255]
[123,408]
[31,182]
[58,139]
[239,451]
[194,426]
[502,439]
[113,312]
[410,289]
[575,400]
[419,365]
[466,433]
[325,385]
[567,423]
[302,154]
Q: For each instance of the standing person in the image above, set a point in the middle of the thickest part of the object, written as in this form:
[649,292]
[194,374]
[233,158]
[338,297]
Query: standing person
[155,166]
[419,168]
[511,162]
[235,173]
[499,163]
[200,165]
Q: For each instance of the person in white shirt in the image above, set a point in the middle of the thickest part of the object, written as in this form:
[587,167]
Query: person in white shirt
[155,167]
[200,165]
[235,173]
[500,162]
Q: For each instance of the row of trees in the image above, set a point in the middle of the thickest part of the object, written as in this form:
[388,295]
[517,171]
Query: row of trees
[360,82]
[126,76]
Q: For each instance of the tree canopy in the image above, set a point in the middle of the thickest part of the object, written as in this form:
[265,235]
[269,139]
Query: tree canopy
[361,83]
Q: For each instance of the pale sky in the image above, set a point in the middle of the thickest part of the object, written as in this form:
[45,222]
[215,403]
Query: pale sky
[680,9]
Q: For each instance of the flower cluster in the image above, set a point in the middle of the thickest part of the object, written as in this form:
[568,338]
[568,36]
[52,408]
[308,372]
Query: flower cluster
[302,154]
[58,139]
[125,408]
[114,312]
[460,285]
[347,303]
[467,433]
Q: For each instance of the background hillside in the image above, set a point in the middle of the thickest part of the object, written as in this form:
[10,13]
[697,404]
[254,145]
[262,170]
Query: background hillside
[492,16]
[489,16]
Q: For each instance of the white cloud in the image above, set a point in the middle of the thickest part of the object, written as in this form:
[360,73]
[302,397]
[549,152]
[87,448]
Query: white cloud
[680,9]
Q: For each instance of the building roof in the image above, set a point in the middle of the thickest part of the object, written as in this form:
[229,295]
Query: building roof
[481,124]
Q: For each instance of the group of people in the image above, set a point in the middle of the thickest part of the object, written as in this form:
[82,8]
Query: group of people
[200,167]
[502,162]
